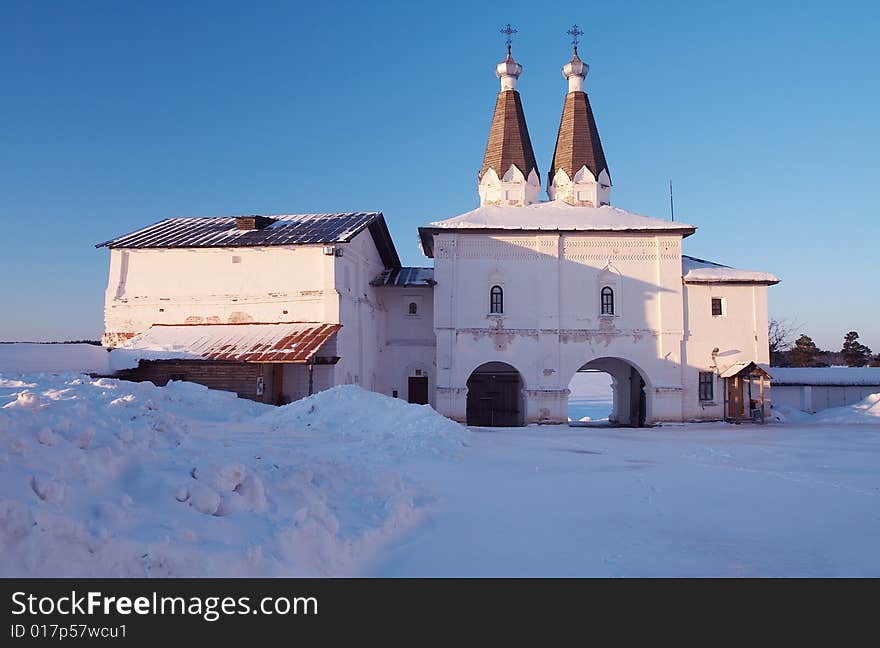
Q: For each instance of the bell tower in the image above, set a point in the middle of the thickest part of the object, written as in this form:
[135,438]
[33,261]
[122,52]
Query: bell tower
[579,173]
[509,175]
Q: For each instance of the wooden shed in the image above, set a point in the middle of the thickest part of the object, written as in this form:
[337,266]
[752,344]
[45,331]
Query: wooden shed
[746,392]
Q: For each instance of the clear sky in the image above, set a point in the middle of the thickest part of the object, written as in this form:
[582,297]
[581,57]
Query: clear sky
[117,114]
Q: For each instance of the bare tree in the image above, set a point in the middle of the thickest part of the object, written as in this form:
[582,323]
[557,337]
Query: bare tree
[781,334]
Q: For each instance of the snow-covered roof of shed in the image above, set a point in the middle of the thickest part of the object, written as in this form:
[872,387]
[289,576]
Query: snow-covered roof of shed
[554,216]
[695,270]
[869,376]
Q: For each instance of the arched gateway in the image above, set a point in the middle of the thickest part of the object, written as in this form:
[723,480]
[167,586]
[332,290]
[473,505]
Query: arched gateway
[494,396]
[630,401]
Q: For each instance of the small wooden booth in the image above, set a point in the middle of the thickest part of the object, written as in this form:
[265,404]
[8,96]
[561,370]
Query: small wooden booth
[745,393]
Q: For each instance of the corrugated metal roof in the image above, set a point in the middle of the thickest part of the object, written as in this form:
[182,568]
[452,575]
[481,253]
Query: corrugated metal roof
[403,277]
[296,342]
[221,231]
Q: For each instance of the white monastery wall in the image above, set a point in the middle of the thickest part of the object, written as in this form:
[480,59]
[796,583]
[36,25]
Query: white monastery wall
[360,341]
[217,285]
[551,325]
[410,345]
[739,334]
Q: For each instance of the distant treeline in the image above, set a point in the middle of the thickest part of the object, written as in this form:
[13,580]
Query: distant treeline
[785,351]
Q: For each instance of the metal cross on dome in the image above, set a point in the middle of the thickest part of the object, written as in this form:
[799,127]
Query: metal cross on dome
[508,32]
[575,32]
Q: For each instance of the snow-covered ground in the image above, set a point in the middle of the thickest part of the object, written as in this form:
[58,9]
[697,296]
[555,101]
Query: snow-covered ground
[106,477]
[113,478]
[18,357]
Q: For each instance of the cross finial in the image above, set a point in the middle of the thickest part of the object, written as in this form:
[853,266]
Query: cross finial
[575,32]
[508,32]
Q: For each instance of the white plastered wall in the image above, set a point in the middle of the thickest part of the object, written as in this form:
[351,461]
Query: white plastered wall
[739,334]
[217,285]
[551,324]
[513,189]
[410,342]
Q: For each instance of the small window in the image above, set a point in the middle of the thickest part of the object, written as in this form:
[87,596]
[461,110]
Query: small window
[496,300]
[413,308]
[707,386]
[717,307]
[607,301]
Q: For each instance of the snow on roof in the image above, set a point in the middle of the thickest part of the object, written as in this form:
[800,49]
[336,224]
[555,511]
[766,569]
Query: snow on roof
[826,376]
[747,368]
[696,270]
[283,229]
[557,215]
[296,342]
[222,231]
[405,277]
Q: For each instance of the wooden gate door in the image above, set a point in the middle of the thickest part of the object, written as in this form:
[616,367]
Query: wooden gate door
[734,397]
[493,400]
[417,391]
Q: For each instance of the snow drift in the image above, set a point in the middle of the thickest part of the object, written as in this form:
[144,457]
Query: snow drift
[112,478]
[865,411]
[370,424]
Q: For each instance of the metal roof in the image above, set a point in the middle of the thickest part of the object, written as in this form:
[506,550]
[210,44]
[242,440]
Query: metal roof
[287,229]
[296,342]
[744,368]
[403,277]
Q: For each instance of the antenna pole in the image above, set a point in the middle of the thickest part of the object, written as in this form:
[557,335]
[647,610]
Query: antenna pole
[671,203]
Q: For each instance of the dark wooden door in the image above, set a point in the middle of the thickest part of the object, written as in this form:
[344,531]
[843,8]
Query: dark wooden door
[734,397]
[493,400]
[418,390]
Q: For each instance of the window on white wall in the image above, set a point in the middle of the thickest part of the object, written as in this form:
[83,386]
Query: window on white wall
[496,300]
[607,301]
[707,386]
[717,307]
[412,309]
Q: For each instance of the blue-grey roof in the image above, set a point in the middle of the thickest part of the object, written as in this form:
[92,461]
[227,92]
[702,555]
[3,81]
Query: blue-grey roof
[406,277]
[287,229]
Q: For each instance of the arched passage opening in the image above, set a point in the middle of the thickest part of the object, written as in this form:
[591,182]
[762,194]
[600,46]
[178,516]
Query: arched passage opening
[609,386]
[494,396]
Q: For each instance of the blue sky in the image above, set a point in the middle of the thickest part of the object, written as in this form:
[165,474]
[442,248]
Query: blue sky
[118,114]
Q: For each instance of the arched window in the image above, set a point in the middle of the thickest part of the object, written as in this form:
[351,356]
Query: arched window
[413,308]
[496,300]
[607,301]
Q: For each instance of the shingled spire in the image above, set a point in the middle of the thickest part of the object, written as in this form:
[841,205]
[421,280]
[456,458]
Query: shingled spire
[509,175]
[579,173]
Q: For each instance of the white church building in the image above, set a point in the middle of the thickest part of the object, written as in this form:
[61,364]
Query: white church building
[523,294]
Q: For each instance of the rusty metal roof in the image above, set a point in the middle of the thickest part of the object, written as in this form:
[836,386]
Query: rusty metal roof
[296,342]
[286,229]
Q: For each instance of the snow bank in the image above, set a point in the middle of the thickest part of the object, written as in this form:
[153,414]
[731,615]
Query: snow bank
[825,376]
[26,357]
[865,411]
[112,478]
[370,424]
